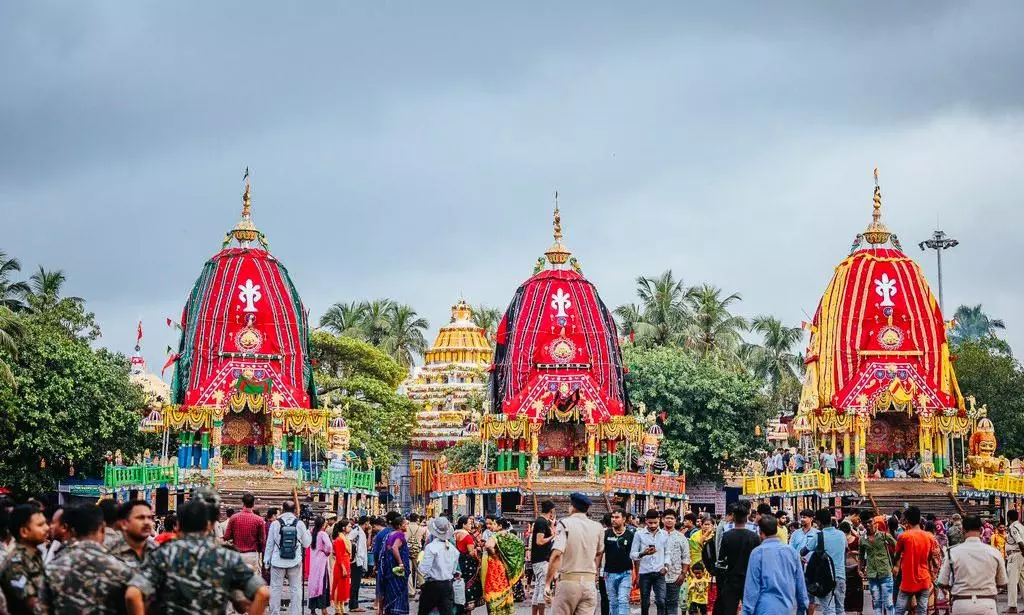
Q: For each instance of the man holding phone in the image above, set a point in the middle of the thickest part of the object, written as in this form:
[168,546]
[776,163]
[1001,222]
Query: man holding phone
[650,547]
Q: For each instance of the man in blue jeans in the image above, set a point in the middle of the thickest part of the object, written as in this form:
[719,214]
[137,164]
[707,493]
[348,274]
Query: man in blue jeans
[650,551]
[618,566]
[835,546]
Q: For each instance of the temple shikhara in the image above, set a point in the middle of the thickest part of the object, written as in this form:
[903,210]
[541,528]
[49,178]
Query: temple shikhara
[454,370]
[559,418]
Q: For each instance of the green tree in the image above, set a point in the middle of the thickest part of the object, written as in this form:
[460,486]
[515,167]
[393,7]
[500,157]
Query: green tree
[776,358]
[405,339]
[487,318]
[465,456]
[344,319]
[375,323]
[662,316]
[46,299]
[362,381]
[971,323]
[987,370]
[10,331]
[12,293]
[69,403]
[630,320]
[713,328]
[711,411]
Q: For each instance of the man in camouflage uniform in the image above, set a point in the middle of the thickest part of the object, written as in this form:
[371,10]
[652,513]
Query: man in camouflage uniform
[195,574]
[83,576]
[23,579]
[111,536]
[133,543]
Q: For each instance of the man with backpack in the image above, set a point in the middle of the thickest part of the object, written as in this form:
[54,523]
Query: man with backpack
[826,566]
[287,539]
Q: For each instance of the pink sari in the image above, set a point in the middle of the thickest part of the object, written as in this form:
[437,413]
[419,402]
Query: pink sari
[320,555]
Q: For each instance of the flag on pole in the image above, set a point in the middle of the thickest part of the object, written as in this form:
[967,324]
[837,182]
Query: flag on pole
[171,360]
[138,337]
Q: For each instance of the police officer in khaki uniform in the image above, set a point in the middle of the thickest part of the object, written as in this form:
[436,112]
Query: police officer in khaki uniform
[973,572]
[575,557]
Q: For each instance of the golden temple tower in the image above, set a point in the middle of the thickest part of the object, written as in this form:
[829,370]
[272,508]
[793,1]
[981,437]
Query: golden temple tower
[455,368]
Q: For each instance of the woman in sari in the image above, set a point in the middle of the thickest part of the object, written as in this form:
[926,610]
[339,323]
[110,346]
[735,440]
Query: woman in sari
[320,553]
[502,567]
[469,561]
[341,591]
[395,569]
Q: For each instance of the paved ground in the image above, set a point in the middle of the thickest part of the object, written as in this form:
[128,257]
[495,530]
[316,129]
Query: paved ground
[522,608]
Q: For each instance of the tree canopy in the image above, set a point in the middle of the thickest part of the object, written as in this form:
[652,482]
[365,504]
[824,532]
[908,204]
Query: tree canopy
[395,328]
[68,404]
[986,369]
[710,411]
[362,381]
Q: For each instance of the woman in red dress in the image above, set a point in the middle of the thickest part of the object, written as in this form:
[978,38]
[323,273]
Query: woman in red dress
[342,588]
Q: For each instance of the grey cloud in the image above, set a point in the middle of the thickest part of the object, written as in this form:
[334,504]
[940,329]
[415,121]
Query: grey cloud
[411,150]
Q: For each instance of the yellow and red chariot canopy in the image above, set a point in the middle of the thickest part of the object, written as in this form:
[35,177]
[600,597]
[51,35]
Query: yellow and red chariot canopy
[878,340]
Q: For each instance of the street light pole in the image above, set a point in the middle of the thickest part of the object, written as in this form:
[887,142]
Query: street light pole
[939,242]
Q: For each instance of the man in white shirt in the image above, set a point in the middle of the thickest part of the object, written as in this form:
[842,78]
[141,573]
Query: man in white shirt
[359,551]
[650,550]
[678,561]
[438,568]
[284,564]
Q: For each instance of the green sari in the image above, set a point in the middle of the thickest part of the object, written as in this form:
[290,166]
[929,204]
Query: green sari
[501,571]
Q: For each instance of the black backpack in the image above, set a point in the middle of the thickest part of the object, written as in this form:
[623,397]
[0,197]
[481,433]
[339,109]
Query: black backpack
[289,539]
[820,574]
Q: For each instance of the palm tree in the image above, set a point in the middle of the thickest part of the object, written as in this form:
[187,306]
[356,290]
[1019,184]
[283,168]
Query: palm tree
[630,320]
[404,340]
[972,323]
[777,358]
[12,294]
[344,319]
[487,318]
[10,330]
[713,328]
[376,321]
[662,314]
[45,287]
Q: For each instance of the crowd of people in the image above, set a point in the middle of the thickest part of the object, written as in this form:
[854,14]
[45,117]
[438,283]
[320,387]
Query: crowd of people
[783,460]
[117,558]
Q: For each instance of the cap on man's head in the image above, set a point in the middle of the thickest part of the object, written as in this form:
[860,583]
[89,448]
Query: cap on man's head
[580,502]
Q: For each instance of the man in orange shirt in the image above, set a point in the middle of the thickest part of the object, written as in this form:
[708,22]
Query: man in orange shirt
[913,550]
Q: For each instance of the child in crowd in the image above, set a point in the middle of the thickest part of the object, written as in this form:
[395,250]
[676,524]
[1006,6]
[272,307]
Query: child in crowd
[698,582]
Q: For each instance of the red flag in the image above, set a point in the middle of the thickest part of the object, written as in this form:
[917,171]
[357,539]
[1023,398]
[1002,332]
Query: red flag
[138,338]
[171,360]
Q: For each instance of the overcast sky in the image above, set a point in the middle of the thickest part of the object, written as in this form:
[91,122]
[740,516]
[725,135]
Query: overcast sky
[410,150]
